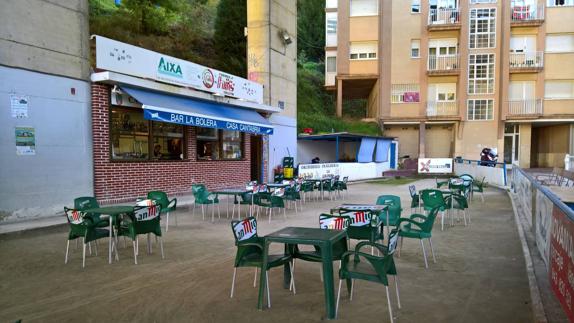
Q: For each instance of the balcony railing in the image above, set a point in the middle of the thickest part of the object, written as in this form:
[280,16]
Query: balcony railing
[444,16]
[443,64]
[530,107]
[527,14]
[442,109]
[526,60]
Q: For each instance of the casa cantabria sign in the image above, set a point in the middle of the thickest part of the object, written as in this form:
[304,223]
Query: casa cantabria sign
[131,60]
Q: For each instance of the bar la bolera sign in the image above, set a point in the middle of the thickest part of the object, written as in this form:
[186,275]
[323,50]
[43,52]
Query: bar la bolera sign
[126,59]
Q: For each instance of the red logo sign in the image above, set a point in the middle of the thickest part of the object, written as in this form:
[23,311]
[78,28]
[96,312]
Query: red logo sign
[425,167]
[208,78]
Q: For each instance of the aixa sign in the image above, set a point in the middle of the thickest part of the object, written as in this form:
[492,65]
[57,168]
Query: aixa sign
[123,58]
[197,121]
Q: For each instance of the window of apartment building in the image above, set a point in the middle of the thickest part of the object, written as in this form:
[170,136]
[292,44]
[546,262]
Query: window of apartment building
[415,6]
[363,50]
[559,3]
[482,28]
[405,93]
[443,4]
[331,24]
[482,1]
[331,64]
[331,4]
[364,7]
[480,110]
[214,144]
[481,74]
[415,48]
[134,138]
[442,92]
[562,89]
[559,43]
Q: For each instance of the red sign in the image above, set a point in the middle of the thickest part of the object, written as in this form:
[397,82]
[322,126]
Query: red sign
[562,260]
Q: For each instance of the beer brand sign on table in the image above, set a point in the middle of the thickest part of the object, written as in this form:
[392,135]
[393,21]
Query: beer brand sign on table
[123,58]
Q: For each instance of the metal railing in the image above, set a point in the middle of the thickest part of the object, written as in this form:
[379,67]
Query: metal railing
[526,13]
[525,107]
[527,60]
[442,108]
[443,63]
[444,16]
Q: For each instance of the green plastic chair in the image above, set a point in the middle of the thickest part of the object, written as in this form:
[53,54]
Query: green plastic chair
[145,219]
[90,202]
[479,187]
[307,187]
[83,226]
[394,208]
[329,186]
[415,198]
[433,199]
[371,268]
[271,202]
[250,253]
[342,185]
[244,199]
[195,188]
[440,184]
[365,225]
[204,197]
[293,194]
[419,226]
[166,204]
[459,203]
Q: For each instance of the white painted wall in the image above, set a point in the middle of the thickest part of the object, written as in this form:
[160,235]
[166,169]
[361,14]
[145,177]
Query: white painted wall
[62,169]
[355,171]
[494,175]
[282,142]
[307,150]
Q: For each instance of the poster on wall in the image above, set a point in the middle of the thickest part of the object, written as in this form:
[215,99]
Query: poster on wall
[562,260]
[435,165]
[25,141]
[19,106]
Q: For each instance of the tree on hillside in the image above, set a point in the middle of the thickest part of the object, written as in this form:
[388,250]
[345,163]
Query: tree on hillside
[229,39]
[311,29]
[153,16]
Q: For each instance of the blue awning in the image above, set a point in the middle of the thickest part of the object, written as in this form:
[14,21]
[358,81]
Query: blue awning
[382,153]
[193,112]
[366,149]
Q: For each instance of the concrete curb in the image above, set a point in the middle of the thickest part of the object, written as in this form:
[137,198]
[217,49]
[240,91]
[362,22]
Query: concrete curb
[535,297]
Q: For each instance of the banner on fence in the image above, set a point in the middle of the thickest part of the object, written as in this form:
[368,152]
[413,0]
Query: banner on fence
[561,271]
[435,165]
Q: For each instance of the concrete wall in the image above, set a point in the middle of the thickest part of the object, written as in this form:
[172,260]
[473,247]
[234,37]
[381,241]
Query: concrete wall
[40,185]
[46,36]
[407,136]
[438,141]
[273,63]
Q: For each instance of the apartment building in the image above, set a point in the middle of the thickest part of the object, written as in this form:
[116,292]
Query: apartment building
[450,77]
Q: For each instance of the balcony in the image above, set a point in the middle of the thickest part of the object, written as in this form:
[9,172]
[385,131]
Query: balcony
[525,108]
[442,109]
[443,65]
[526,62]
[527,15]
[444,19]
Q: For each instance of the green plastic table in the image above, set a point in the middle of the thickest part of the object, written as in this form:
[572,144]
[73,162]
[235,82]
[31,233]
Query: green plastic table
[112,212]
[235,191]
[292,236]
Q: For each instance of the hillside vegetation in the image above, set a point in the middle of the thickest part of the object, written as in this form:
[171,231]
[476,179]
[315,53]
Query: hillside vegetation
[210,32]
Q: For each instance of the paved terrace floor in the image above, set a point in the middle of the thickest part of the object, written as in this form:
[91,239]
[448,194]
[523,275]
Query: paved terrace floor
[479,276]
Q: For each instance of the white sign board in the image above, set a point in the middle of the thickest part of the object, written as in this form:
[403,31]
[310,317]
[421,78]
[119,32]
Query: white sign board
[19,105]
[435,165]
[319,170]
[123,58]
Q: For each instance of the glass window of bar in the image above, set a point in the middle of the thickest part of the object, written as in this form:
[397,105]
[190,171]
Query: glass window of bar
[213,144]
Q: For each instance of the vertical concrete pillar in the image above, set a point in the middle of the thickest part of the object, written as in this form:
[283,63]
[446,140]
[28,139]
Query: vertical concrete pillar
[422,135]
[525,142]
[339,98]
